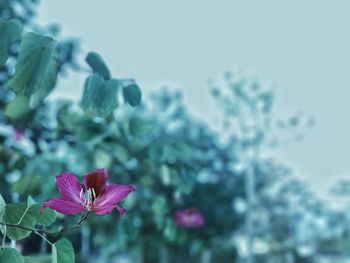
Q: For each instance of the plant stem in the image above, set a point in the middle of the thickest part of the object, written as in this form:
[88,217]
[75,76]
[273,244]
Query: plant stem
[43,237]
[23,227]
[76,225]
[39,231]
[3,240]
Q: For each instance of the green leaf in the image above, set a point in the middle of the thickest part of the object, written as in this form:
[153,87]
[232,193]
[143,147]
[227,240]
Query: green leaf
[17,108]
[139,126]
[19,213]
[100,96]
[2,213]
[170,230]
[38,259]
[10,255]
[102,159]
[169,176]
[10,31]
[27,185]
[63,252]
[45,217]
[132,94]
[30,201]
[96,62]
[36,68]
[121,153]
[182,151]
[165,174]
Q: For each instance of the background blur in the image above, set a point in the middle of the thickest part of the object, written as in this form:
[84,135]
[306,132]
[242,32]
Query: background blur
[300,47]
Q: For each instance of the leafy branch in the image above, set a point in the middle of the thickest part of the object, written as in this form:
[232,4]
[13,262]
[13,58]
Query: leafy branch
[83,217]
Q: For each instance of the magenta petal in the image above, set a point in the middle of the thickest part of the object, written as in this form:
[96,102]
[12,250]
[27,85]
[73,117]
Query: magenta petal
[179,217]
[18,135]
[112,194]
[197,220]
[190,218]
[64,206]
[96,180]
[69,187]
[121,210]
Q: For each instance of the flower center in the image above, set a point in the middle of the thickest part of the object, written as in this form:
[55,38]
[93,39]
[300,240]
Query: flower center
[89,198]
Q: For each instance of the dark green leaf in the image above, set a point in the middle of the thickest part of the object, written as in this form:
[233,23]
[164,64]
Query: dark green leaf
[132,94]
[27,185]
[18,214]
[10,31]
[43,216]
[17,108]
[62,252]
[10,255]
[96,62]
[100,96]
[139,126]
[36,68]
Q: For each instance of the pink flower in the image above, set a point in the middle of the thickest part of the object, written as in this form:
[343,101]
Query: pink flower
[18,135]
[189,218]
[94,195]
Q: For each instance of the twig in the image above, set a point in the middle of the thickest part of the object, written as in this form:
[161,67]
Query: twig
[39,231]
[76,225]
[24,227]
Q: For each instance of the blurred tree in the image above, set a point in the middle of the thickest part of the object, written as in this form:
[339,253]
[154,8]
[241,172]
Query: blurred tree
[248,126]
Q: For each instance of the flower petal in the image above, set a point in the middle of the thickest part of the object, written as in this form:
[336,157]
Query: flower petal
[110,197]
[69,187]
[64,206]
[190,218]
[197,220]
[121,210]
[179,217]
[96,180]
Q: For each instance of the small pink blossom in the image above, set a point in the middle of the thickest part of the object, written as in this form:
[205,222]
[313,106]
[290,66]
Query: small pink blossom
[18,135]
[95,195]
[189,218]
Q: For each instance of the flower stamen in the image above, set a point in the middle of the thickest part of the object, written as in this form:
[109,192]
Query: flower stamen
[90,197]
[94,193]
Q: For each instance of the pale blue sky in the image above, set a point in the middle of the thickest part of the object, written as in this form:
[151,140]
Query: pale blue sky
[302,46]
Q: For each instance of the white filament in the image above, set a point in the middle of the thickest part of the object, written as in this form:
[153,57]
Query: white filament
[94,193]
[90,198]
